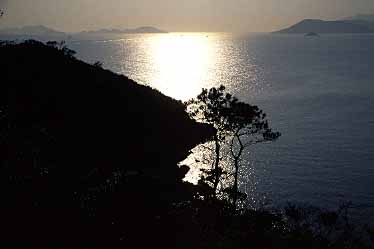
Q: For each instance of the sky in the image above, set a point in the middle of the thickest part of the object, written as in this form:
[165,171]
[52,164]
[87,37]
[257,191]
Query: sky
[176,15]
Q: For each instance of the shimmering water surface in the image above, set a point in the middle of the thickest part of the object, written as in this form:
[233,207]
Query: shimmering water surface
[317,91]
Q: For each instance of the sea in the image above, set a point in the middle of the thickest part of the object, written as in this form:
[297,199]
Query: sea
[317,91]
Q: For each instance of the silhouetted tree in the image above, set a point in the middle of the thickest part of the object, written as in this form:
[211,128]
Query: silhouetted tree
[62,47]
[209,107]
[246,126]
[238,125]
[53,44]
[98,64]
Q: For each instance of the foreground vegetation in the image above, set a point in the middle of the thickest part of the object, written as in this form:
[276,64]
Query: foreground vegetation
[89,160]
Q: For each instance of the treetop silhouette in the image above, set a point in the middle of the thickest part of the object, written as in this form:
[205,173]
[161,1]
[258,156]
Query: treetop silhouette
[238,126]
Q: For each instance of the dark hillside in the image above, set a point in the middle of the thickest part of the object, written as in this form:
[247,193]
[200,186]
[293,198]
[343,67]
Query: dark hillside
[74,135]
[102,118]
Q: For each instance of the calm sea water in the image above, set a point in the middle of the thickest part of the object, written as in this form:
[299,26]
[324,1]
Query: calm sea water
[317,91]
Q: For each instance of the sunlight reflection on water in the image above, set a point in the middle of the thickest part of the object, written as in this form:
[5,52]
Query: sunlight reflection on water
[202,157]
[181,64]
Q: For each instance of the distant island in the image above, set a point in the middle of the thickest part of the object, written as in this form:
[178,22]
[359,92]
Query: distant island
[46,33]
[357,24]
[311,34]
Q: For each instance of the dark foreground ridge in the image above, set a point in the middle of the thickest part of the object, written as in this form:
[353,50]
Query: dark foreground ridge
[89,160]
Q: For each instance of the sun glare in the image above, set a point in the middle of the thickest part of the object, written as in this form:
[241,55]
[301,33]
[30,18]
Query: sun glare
[182,64]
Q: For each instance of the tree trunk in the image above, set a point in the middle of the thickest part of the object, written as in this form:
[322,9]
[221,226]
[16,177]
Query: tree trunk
[236,165]
[235,188]
[216,165]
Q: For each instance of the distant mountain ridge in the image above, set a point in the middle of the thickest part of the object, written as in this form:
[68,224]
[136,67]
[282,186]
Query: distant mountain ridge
[146,29]
[367,20]
[323,27]
[362,17]
[36,30]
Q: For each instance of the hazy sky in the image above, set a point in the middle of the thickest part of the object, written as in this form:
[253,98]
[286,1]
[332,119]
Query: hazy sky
[176,15]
